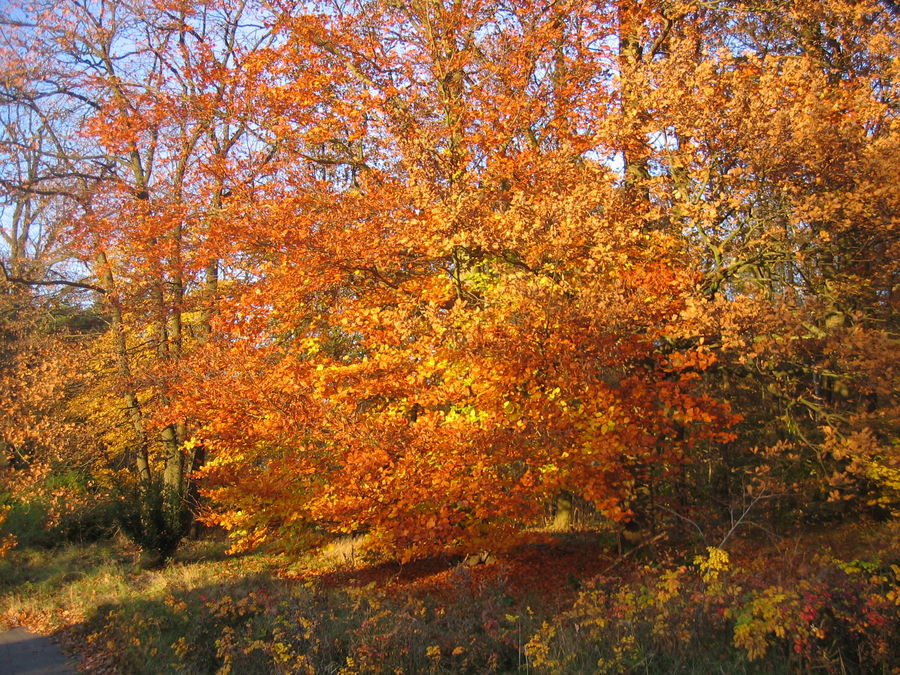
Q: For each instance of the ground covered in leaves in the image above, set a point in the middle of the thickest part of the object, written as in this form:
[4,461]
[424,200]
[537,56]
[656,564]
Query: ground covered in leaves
[824,602]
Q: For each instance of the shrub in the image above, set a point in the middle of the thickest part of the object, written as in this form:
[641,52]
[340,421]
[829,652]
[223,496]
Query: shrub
[153,516]
[710,617]
[47,508]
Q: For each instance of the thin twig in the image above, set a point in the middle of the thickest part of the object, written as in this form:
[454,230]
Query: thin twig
[685,519]
[622,557]
[740,520]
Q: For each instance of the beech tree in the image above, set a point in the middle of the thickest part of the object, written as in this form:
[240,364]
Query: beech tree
[780,171]
[125,102]
[467,320]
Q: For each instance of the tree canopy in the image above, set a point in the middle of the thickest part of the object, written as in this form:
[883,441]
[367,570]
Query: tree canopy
[416,269]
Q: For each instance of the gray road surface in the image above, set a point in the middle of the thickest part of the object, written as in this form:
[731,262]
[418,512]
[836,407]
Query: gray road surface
[24,653]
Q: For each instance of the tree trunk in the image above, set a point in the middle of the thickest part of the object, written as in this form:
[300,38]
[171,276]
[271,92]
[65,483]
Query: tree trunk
[141,458]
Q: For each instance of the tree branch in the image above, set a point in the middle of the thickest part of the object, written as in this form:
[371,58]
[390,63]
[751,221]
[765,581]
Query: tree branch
[59,282]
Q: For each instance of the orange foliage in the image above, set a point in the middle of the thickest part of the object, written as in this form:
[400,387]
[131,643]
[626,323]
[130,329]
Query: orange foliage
[414,269]
[473,321]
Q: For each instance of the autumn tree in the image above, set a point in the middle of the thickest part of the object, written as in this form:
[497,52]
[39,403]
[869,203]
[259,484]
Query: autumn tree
[47,330]
[142,113]
[456,312]
[776,130]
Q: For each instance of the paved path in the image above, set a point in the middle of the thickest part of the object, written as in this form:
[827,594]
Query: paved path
[24,653]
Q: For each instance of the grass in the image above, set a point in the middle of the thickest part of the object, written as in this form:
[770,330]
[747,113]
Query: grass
[542,608]
[206,612]
[51,586]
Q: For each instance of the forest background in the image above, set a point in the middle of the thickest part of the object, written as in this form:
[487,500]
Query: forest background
[461,278]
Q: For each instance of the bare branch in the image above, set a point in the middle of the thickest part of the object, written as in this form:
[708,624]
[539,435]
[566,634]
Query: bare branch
[48,282]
